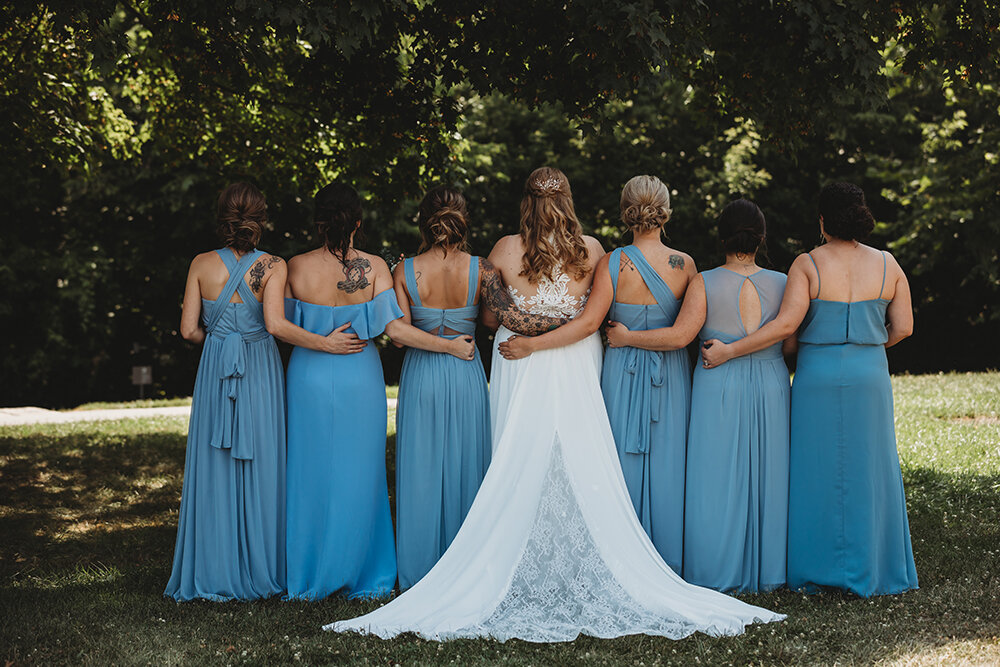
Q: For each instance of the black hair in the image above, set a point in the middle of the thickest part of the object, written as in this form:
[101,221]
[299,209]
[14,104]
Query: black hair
[742,229]
[845,213]
[336,214]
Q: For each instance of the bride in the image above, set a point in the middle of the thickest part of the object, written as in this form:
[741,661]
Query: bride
[551,547]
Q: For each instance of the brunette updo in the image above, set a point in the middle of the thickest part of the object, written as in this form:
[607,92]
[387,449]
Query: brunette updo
[241,216]
[645,203]
[443,219]
[742,228]
[337,212]
[845,213]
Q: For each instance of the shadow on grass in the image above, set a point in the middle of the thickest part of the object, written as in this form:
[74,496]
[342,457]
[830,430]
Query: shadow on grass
[88,520]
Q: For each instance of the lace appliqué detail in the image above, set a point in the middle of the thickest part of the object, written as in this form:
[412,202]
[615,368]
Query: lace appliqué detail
[552,299]
[562,588]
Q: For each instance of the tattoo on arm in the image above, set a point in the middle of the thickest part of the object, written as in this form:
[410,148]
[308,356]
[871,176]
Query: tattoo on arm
[355,275]
[676,262]
[494,295]
[257,271]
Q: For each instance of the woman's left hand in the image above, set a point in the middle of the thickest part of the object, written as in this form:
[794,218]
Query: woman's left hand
[617,334]
[516,347]
[715,353]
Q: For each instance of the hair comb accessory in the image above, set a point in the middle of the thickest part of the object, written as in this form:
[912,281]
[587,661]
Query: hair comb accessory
[546,187]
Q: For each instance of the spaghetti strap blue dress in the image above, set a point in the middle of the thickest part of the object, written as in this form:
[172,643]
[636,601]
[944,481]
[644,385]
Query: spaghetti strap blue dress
[339,526]
[231,529]
[442,435]
[736,505]
[648,394]
[847,524]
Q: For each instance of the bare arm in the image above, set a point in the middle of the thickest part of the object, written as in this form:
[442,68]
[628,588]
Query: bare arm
[794,306]
[689,322]
[191,328]
[900,310]
[337,342]
[402,296]
[494,295]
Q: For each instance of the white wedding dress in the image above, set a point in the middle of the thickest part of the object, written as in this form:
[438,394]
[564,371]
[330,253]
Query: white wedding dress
[551,547]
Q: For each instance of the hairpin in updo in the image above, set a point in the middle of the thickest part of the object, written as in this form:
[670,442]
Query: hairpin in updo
[549,186]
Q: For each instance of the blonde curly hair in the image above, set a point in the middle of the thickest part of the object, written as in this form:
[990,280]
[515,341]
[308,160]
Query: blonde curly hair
[645,203]
[550,232]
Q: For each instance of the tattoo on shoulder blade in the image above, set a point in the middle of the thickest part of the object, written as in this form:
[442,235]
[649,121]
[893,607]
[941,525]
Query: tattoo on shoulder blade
[626,263]
[257,271]
[676,262]
[495,296]
[356,275]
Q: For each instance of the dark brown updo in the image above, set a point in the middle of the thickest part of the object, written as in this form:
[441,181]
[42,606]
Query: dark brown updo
[443,219]
[742,228]
[845,213]
[242,214]
[337,211]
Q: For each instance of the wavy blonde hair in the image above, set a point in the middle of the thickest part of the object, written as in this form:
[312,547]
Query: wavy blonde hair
[645,203]
[550,232]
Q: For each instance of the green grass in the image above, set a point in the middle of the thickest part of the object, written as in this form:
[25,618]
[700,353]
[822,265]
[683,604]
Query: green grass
[138,403]
[88,514]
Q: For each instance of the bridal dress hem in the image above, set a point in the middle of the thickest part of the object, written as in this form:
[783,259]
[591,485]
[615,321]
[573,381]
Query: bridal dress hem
[551,547]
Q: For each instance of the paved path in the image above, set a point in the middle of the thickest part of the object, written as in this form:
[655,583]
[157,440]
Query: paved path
[29,415]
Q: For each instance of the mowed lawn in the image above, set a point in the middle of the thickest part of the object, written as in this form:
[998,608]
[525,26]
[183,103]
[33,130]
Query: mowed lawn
[88,514]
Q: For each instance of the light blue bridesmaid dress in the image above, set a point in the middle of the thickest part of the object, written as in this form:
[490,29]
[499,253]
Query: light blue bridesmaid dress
[231,530]
[736,505]
[847,524]
[339,525]
[442,435]
[648,394]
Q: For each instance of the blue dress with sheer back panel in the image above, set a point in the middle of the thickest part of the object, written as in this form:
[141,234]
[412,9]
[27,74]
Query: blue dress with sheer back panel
[847,523]
[647,394]
[442,435]
[231,529]
[736,505]
[339,538]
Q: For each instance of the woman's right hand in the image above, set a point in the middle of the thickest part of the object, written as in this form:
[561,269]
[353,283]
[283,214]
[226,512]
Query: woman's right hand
[463,347]
[339,342]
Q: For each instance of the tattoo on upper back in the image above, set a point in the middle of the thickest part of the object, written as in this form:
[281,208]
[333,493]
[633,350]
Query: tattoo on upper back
[356,275]
[259,268]
[626,263]
[676,262]
[494,294]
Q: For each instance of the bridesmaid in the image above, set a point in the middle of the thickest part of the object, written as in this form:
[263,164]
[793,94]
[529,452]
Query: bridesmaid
[847,525]
[736,496]
[443,422]
[231,530]
[647,392]
[339,538]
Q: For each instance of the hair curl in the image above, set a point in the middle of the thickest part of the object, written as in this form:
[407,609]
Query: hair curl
[337,214]
[845,213]
[742,228]
[241,216]
[443,219]
[645,203]
[550,232]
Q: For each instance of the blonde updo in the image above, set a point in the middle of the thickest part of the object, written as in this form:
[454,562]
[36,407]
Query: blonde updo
[443,219]
[242,214]
[645,203]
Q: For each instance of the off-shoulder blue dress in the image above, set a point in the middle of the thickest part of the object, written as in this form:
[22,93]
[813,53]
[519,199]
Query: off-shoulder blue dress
[231,529]
[442,435]
[648,394]
[847,524]
[339,532]
[736,505]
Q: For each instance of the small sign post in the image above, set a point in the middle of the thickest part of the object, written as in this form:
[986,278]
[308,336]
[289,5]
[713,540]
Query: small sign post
[141,376]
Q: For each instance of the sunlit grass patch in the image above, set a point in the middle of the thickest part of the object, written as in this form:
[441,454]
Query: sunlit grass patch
[138,403]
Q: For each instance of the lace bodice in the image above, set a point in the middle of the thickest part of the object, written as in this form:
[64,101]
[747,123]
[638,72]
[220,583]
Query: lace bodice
[551,299]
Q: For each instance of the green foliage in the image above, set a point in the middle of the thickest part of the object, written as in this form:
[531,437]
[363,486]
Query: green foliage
[88,513]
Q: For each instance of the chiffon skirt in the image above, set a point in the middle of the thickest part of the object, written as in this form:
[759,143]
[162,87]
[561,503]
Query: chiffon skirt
[736,508]
[231,529]
[339,526]
[847,524]
[442,452]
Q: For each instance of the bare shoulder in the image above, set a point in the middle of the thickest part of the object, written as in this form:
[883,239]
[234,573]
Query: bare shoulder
[507,244]
[595,251]
[679,260]
[379,265]
[802,264]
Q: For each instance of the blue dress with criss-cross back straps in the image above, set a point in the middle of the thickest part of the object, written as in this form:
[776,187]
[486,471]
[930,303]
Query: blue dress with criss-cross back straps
[231,529]
[442,435]
[339,538]
[736,501]
[647,394]
[847,524]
